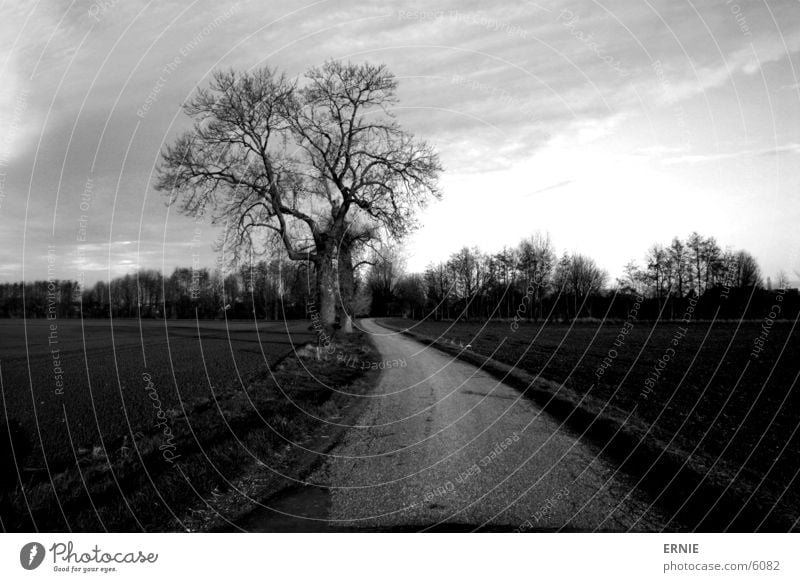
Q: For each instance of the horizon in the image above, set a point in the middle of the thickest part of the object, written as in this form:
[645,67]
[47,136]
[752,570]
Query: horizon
[611,283]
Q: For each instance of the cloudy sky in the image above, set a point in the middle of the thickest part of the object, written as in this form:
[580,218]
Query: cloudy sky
[610,126]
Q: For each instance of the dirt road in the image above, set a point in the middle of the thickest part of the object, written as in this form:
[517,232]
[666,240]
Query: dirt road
[442,445]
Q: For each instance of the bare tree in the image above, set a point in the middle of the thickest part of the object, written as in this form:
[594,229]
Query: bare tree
[536,261]
[707,265]
[578,276]
[633,280]
[385,267]
[677,267]
[695,245]
[506,263]
[466,265]
[372,174]
[782,280]
[439,287]
[658,270]
[410,291]
[318,169]
[746,272]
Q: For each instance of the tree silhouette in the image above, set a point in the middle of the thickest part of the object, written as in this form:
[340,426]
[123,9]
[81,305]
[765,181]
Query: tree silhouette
[319,169]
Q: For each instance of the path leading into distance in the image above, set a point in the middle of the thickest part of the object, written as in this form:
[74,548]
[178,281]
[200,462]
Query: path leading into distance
[445,446]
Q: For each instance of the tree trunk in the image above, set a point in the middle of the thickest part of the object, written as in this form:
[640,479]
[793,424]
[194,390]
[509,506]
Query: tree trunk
[347,324]
[326,293]
[345,283]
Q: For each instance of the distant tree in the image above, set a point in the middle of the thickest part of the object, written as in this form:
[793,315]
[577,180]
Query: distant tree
[707,262]
[634,280]
[536,262]
[658,271]
[506,264]
[380,281]
[467,267]
[678,265]
[745,270]
[579,277]
[362,300]
[781,280]
[410,293]
[438,289]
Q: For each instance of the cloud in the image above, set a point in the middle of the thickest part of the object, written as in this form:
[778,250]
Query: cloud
[553,187]
[790,148]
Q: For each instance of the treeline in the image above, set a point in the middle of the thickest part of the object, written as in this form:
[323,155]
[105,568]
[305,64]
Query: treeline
[473,284]
[267,290]
[530,282]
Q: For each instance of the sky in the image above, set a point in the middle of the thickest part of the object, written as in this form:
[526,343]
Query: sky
[610,126]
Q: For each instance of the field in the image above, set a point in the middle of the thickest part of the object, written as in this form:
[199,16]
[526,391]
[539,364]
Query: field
[702,391]
[127,426]
[87,420]
[103,393]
